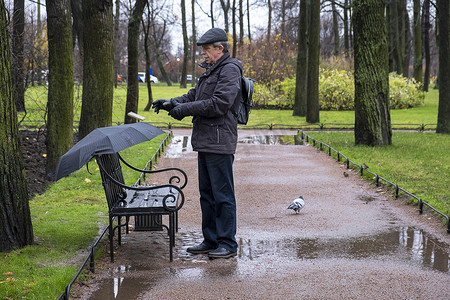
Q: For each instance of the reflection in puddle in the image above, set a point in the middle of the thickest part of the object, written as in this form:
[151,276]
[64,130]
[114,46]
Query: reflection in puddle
[271,139]
[178,146]
[182,144]
[406,244]
[120,286]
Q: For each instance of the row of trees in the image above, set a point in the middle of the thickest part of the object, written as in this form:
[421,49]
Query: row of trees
[411,29]
[90,27]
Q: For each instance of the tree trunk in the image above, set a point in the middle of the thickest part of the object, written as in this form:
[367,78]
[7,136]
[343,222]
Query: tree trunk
[161,68]
[436,35]
[372,115]
[395,60]
[194,45]
[233,11]
[346,29]
[401,11]
[98,66]
[225,7]
[312,101]
[78,27]
[116,43]
[426,42]
[16,229]
[337,41]
[146,29]
[60,85]
[157,34]
[39,46]
[269,21]
[417,42]
[133,61]
[301,79]
[18,54]
[211,9]
[185,45]
[443,121]
[408,40]
[241,24]
[248,22]
[283,18]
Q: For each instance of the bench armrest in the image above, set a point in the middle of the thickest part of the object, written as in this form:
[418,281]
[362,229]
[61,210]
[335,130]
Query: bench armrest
[151,187]
[172,179]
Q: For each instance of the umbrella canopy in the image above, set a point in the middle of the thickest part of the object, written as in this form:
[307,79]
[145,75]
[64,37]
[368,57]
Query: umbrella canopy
[104,140]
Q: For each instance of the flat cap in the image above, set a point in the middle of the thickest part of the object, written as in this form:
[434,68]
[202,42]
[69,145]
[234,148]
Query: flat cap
[213,35]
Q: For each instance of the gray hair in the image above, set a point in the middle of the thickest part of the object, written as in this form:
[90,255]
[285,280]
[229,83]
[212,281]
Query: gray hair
[223,43]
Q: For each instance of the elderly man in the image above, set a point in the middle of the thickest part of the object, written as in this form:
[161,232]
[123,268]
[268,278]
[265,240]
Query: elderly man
[213,105]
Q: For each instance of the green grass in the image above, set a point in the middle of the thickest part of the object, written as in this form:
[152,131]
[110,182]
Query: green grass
[66,220]
[416,161]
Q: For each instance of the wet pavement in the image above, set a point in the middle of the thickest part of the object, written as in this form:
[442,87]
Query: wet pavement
[350,241]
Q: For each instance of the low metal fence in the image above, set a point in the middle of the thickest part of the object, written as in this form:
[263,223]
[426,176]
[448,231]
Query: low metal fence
[318,126]
[91,256]
[378,178]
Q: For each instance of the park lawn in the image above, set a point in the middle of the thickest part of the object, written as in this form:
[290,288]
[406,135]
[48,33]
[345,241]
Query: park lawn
[416,161]
[66,220]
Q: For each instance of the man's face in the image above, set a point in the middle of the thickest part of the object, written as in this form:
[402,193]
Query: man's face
[212,54]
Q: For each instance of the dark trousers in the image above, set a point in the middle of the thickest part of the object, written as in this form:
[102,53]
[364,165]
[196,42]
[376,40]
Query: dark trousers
[217,200]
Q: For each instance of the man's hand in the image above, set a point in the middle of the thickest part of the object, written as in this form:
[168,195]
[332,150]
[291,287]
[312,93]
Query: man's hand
[162,104]
[177,112]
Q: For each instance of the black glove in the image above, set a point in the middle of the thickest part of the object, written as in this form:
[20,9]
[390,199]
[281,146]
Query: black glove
[161,104]
[177,112]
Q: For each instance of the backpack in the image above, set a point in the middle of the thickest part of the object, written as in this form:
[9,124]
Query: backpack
[246,101]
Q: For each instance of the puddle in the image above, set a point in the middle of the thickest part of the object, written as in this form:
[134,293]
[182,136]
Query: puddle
[178,146]
[271,140]
[121,286]
[404,244]
[181,145]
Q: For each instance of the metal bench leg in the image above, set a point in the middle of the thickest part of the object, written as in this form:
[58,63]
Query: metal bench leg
[127,221]
[119,230]
[176,221]
[111,238]
[171,235]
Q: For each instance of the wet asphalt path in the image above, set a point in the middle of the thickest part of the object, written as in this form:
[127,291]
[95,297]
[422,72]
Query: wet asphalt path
[351,241]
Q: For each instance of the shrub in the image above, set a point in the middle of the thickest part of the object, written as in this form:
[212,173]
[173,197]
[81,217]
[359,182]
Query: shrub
[262,94]
[337,91]
[404,93]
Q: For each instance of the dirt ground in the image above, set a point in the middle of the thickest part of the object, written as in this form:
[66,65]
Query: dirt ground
[351,240]
[33,149]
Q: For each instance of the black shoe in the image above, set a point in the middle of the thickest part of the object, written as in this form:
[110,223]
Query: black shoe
[200,249]
[221,253]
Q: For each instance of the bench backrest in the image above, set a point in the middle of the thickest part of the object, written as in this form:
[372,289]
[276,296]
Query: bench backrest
[110,163]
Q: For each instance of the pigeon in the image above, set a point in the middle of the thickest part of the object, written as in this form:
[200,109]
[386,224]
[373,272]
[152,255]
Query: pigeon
[297,205]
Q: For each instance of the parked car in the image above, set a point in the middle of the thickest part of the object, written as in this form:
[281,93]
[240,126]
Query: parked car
[141,78]
[189,78]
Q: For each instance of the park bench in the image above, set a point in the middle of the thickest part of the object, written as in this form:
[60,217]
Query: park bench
[147,203]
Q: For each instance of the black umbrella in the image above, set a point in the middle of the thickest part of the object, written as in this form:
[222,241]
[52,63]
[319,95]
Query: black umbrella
[104,140]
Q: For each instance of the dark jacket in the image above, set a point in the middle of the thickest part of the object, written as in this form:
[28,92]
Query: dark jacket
[212,103]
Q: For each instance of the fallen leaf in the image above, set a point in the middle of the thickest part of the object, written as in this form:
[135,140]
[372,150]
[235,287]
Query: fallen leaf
[9,273]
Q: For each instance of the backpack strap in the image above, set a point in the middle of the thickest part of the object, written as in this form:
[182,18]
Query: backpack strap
[235,107]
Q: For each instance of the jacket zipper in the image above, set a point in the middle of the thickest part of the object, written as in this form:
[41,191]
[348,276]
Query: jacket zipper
[217,131]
